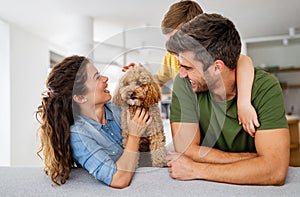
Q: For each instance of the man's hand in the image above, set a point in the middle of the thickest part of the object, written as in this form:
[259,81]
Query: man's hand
[180,166]
[248,118]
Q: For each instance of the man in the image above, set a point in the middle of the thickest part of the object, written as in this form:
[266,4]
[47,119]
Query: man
[209,142]
[182,12]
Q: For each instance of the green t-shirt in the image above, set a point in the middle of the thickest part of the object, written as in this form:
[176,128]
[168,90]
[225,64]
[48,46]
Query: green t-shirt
[218,121]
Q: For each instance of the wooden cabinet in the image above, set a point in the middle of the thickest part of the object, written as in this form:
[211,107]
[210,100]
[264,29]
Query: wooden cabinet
[285,70]
[294,147]
[294,133]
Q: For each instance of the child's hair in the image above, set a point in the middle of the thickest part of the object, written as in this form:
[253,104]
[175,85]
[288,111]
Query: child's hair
[178,14]
[210,37]
[56,114]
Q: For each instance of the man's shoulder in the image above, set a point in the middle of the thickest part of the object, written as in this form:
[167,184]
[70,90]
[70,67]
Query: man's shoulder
[180,83]
[261,75]
[264,80]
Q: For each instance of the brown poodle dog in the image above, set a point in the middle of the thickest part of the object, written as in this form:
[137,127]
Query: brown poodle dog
[138,89]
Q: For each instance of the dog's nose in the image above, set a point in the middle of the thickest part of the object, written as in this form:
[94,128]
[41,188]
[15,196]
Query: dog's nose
[130,94]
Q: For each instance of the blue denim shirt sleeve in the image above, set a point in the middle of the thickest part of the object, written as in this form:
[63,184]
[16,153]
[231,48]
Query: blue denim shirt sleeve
[93,158]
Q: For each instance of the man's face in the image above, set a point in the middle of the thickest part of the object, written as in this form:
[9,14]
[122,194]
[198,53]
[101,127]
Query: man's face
[192,70]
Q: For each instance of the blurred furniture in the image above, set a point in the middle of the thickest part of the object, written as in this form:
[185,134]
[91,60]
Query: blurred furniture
[294,133]
[165,103]
[294,147]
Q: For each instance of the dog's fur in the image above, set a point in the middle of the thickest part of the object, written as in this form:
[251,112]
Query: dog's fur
[137,88]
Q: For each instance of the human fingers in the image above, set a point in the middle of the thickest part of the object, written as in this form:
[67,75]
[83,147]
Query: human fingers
[139,116]
[247,128]
[251,129]
[137,113]
[145,115]
[125,68]
[172,156]
[128,115]
[256,123]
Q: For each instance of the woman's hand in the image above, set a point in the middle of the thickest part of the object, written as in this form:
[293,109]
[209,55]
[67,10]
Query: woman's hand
[139,123]
[248,118]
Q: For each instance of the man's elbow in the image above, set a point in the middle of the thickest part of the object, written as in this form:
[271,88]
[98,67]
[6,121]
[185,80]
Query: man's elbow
[278,176]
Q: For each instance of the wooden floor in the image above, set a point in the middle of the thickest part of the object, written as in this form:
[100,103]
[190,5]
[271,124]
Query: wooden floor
[295,157]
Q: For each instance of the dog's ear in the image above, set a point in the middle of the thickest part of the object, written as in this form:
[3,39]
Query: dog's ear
[153,95]
[117,97]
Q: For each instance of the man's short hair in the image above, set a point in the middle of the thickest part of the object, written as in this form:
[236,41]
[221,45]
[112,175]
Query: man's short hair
[180,13]
[211,37]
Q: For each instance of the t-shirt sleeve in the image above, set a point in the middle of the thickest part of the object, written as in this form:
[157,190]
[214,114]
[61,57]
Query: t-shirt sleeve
[268,102]
[164,73]
[184,106]
[93,157]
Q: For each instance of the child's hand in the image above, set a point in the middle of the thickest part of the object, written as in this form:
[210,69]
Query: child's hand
[125,68]
[248,118]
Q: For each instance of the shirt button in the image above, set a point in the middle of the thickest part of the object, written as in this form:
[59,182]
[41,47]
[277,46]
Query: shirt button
[113,152]
[111,134]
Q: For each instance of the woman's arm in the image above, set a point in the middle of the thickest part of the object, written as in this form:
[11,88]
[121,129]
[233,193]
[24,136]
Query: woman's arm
[128,161]
[126,164]
[246,112]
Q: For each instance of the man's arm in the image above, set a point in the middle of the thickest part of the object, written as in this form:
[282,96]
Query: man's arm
[268,168]
[186,139]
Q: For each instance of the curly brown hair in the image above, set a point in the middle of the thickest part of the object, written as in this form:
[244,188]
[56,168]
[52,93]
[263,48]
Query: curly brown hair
[178,14]
[56,115]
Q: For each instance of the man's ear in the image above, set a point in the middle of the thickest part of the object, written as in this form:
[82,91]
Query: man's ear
[80,99]
[219,66]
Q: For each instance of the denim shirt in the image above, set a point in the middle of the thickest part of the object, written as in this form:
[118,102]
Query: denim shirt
[97,147]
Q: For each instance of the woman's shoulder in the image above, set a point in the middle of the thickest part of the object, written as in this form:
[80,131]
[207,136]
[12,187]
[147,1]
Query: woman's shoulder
[79,123]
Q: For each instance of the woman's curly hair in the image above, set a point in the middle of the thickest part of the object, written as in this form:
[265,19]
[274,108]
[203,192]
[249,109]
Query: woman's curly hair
[56,114]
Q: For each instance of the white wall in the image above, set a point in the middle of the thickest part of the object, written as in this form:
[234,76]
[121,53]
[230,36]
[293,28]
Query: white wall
[29,60]
[5,95]
[275,53]
[25,60]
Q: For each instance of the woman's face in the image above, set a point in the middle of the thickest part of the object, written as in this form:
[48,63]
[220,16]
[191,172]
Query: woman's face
[96,84]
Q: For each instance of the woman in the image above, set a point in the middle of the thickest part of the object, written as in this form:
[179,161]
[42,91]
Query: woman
[80,125]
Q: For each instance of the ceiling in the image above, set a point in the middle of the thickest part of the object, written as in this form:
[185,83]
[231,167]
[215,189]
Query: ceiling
[253,18]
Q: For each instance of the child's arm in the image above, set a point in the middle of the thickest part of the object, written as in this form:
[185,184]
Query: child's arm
[246,112]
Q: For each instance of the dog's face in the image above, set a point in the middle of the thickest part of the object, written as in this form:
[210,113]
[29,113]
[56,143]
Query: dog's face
[137,88]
